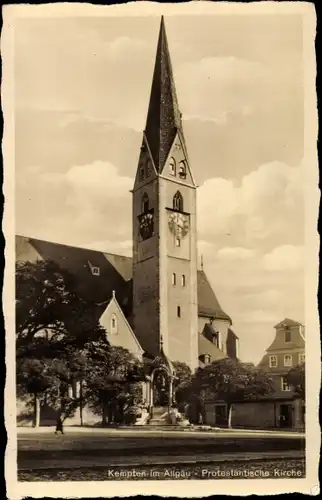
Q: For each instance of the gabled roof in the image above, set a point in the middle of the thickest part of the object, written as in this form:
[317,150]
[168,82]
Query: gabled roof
[208,304]
[164,117]
[115,273]
[288,322]
[114,301]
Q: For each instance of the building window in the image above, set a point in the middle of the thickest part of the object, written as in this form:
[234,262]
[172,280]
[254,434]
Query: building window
[179,311]
[174,279]
[183,280]
[178,242]
[145,203]
[284,385]
[288,360]
[273,361]
[178,202]
[95,270]
[172,166]
[182,170]
[301,359]
[287,335]
[114,324]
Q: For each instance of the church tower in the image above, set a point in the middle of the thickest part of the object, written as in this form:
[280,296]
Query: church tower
[164,226]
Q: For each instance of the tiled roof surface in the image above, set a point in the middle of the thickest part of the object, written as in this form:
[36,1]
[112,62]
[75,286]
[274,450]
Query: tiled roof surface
[115,273]
[208,304]
[164,118]
[207,347]
[288,322]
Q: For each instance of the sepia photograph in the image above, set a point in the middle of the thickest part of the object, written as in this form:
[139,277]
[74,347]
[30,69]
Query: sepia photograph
[162,308]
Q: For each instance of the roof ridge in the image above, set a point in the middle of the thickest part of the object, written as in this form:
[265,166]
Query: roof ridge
[73,246]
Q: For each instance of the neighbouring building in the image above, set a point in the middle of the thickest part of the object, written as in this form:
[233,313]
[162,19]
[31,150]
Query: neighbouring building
[159,292]
[282,409]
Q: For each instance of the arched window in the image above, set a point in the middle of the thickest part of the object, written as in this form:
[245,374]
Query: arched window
[183,280]
[174,279]
[178,202]
[172,166]
[179,311]
[113,325]
[182,170]
[145,203]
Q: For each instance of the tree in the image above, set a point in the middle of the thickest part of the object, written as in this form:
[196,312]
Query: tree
[112,380]
[182,382]
[47,303]
[230,381]
[296,379]
[53,326]
[33,378]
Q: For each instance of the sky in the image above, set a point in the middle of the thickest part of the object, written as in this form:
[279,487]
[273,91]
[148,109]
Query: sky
[82,88]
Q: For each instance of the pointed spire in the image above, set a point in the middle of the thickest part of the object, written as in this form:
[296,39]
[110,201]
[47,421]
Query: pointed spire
[164,117]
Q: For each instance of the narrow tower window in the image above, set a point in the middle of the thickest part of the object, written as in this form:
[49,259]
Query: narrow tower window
[178,243]
[172,166]
[141,173]
[182,170]
[183,280]
[145,203]
[113,324]
[174,279]
[179,311]
[178,202]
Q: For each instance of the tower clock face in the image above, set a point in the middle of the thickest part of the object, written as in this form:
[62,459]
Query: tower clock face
[146,225]
[178,224]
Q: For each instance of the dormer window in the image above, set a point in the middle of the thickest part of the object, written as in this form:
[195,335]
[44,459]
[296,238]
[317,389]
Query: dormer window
[145,203]
[95,270]
[182,170]
[287,334]
[207,359]
[172,166]
[178,202]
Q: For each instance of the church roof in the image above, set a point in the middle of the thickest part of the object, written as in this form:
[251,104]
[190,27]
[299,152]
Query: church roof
[207,347]
[114,273]
[164,117]
[207,300]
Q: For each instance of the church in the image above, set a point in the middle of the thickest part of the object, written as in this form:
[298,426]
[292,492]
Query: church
[160,297]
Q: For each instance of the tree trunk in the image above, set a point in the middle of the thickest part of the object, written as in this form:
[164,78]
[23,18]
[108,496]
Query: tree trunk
[104,414]
[230,411]
[36,422]
[81,403]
